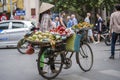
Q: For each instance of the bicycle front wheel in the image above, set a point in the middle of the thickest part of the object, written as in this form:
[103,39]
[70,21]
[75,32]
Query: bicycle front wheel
[85,57]
[49,63]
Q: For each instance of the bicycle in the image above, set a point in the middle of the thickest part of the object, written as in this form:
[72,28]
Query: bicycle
[50,59]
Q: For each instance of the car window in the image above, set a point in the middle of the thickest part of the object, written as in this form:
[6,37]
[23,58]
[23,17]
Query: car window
[4,25]
[30,24]
[17,25]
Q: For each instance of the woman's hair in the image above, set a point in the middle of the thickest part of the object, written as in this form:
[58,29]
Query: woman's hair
[117,6]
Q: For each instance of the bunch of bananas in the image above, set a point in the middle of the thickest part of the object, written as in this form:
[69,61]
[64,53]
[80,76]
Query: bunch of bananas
[83,25]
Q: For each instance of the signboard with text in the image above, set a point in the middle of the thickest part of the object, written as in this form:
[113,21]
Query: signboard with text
[20,12]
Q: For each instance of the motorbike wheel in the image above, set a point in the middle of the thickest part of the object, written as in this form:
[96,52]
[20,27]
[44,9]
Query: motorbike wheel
[22,46]
[108,40]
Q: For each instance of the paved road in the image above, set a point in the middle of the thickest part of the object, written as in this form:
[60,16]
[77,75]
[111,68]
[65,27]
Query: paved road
[15,66]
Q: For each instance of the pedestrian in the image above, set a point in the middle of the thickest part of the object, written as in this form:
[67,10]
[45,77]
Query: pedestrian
[69,22]
[57,21]
[114,28]
[45,21]
[45,25]
[90,33]
[62,20]
[99,27]
[74,20]
[3,17]
[52,24]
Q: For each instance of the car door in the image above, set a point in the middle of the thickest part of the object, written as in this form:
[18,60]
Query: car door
[4,33]
[18,30]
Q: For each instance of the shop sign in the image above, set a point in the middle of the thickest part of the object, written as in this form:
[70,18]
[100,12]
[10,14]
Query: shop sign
[20,12]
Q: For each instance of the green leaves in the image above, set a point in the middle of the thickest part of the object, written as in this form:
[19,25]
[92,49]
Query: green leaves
[75,4]
[80,7]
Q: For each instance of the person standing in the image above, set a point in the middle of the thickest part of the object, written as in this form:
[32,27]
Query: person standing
[74,20]
[99,27]
[114,28]
[62,21]
[57,21]
[69,22]
[90,33]
[45,21]
[3,17]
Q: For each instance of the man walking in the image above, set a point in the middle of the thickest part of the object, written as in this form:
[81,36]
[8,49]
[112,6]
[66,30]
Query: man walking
[114,28]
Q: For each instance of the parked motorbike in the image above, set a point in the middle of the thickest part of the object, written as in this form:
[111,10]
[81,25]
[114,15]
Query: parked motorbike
[104,35]
[25,47]
[108,40]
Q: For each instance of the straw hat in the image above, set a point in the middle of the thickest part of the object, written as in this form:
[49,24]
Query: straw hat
[45,6]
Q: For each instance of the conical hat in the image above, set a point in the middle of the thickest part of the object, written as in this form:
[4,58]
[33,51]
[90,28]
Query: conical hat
[45,6]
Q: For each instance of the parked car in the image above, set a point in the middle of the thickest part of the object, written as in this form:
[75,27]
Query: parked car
[11,31]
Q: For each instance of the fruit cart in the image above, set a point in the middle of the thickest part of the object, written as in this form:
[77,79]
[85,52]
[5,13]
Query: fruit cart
[53,54]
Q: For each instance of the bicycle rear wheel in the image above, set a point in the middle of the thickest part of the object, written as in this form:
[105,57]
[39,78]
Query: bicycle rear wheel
[49,63]
[22,46]
[85,57]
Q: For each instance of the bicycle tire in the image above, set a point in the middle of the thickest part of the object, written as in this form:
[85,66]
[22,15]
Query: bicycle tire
[20,46]
[47,63]
[84,55]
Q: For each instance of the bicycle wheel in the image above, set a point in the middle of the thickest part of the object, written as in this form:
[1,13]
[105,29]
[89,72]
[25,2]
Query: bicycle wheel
[22,46]
[85,57]
[107,40]
[49,63]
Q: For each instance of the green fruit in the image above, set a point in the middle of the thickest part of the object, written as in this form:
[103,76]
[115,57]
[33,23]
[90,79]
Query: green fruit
[34,36]
[30,38]
[37,40]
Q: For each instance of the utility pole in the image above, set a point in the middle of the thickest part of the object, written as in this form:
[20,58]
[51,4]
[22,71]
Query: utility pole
[11,10]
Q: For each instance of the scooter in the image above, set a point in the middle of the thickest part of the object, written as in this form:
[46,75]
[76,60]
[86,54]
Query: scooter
[25,47]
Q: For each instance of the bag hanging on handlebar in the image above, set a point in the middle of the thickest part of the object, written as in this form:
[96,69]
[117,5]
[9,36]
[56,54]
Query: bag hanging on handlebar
[73,42]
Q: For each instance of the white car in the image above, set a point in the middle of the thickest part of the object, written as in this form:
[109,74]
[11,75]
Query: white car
[11,31]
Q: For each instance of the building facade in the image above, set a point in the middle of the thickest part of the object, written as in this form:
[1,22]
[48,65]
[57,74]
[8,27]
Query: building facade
[30,8]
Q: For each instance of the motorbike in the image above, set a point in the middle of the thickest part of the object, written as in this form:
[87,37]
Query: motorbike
[25,47]
[104,35]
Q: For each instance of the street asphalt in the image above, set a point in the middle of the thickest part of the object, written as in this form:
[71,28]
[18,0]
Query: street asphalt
[16,66]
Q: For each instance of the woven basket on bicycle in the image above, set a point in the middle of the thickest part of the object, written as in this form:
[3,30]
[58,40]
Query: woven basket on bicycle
[73,42]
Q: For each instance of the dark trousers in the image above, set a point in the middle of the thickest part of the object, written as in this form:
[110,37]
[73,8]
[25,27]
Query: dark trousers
[114,38]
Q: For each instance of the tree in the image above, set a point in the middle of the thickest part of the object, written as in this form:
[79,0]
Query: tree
[80,7]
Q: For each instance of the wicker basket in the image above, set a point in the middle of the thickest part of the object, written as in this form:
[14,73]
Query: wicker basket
[44,43]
